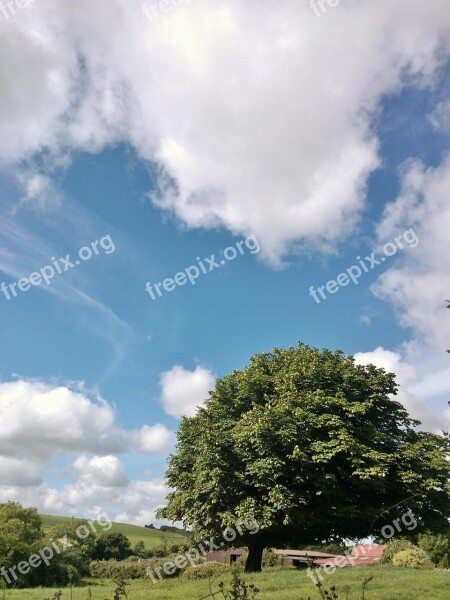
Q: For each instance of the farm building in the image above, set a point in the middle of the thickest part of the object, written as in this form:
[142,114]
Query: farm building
[363,554]
[226,556]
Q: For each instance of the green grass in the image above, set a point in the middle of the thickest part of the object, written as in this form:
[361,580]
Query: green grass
[389,583]
[150,537]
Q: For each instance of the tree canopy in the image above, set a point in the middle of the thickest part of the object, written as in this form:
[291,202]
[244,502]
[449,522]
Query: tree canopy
[112,545]
[20,533]
[310,444]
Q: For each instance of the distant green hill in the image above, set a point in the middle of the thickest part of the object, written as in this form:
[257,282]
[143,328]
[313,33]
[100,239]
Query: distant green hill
[150,537]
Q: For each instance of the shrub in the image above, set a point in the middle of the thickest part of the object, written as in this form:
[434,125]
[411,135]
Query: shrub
[130,568]
[436,546]
[205,571]
[157,564]
[240,561]
[271,559]
[412,558]
[393,548]
[160,551]
[115,569]
[443,563]
[139,549]
[112,545]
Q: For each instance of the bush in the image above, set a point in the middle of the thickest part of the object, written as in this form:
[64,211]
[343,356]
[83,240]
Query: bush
[271,559]
[157,564]
[393,548]
[412,558]
[112,545]
[115,569]
[240,561]
[130,568]
[160,551]
[206,570]
[139,549]
[436,546]
[443,563]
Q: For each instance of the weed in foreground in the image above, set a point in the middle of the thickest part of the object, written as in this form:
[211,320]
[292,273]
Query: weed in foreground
[120,591]
[332,593]
[238,590]
[56,596]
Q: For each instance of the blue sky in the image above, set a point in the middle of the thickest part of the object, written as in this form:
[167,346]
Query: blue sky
[157,140]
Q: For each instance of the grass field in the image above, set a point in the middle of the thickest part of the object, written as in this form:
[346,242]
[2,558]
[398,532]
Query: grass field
[150,537]
[389,583]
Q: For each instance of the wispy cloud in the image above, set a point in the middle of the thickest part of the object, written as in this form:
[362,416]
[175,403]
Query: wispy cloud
[25,249]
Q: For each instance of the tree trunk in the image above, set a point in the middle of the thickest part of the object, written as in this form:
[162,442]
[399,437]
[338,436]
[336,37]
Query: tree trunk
[254,559]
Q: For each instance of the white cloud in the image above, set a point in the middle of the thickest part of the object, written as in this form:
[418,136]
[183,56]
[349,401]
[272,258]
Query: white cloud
[182,391]
[104,471]
[389,361]
[40,191]
[407,377]
[440,117]
[20,472]
[419,284]
[25,248]
[41,421]
[136,502]
[153,440]
[434,384]
[261,121]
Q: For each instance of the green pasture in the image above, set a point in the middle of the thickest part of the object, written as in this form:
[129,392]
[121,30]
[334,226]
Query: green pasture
[150,537]
[389,583]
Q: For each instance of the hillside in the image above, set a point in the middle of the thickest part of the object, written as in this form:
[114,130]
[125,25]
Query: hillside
[150,537]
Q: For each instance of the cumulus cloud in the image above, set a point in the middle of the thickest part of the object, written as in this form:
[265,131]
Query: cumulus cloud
[389,361]
[152,440]
[39,422]
[226,98]
[134,502]
[182,391]
[20,472]
[418,285]
[407,377]
[104,471]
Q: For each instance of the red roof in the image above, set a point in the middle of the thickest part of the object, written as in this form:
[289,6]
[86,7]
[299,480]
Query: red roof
[363,554]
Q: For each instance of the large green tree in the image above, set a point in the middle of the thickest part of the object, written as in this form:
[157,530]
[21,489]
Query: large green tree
[20,536]
[313,447]
[112,545]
